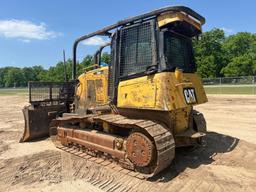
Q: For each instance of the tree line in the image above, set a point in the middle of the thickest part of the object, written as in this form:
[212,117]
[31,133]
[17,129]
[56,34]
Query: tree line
[216,55]
[19,77]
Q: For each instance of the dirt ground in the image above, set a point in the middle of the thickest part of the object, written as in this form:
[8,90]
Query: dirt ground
[226,161]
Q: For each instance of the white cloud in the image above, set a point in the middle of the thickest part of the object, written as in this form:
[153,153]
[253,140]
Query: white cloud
[25,30]
[228,31]
[95,41]
[25,40]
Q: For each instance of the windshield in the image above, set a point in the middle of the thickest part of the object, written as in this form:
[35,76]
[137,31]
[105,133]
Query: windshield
[178,52]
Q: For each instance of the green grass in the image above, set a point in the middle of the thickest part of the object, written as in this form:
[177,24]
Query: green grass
[231,89]
[13,91]
[210,89]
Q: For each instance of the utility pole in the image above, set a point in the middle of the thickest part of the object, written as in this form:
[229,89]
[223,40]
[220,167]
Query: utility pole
[64,63]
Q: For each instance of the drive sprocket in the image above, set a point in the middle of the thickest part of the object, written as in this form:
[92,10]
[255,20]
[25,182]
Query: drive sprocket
[140,149]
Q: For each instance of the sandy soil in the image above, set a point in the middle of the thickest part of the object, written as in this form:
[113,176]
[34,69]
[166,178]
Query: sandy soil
[233,115]
[226,162]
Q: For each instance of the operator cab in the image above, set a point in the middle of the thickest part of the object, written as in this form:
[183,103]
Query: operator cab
[148,44]
[153,45]
[159,44]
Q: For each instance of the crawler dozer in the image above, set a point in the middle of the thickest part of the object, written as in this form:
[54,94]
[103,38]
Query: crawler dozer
[136,110]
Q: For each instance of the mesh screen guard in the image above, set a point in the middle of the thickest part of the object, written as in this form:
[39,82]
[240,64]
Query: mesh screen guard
[136,49]
[178,52]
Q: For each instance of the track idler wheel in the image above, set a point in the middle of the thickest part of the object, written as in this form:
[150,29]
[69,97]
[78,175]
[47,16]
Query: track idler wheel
[140,149]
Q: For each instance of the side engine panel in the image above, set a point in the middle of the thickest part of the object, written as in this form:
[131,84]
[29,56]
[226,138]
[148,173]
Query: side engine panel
[166,93]
[92,90]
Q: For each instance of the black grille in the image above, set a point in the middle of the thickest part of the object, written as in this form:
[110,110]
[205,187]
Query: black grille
[111,72]
[178,52]
[136,49]
[112,66]
[50,92]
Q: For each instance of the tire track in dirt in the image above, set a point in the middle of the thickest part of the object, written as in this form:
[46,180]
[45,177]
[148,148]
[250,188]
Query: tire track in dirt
[200,169]
[30,170]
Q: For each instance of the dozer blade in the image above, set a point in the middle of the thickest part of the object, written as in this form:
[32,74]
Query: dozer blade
[37,121]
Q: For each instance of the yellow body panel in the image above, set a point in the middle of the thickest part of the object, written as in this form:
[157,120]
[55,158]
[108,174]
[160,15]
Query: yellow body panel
[178,16]
[140,93]
[162,92]
[92,89]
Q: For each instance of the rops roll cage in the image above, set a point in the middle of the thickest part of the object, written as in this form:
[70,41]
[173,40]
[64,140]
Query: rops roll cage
[97,55]
[155,13]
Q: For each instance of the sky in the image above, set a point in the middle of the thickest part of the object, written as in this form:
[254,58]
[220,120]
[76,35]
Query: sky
[34,32]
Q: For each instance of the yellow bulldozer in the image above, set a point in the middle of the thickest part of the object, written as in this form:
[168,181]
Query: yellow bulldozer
[138,109]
